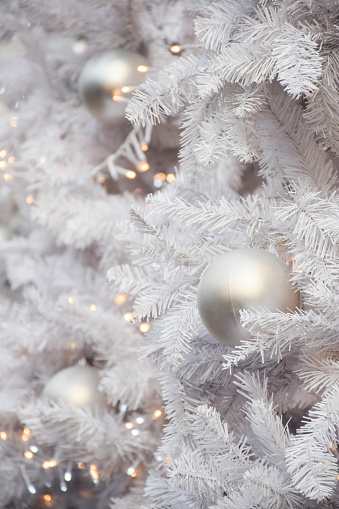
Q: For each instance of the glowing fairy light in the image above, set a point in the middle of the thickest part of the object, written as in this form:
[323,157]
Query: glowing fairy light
[13,121]
[73,345]
[81,465]
[26,433]
[131,174]
[142,68]
[70,299]
[130,471]
[143,166]
[94,473]
[80,45]
[33,448]
[125,90]
[129,425]
[93,307]
[28,454]
[128,317]
[49,464]
[3,153]
[175,49]
[48,500]
[140,420]
[7,177]
[121,298]
[135,432]
[170,178]
[29,199]
[11,159]
[42,160]
[3,435]
[102,179]
[144,146]
[157,414]
[160,176]
[144,327]
[3,165]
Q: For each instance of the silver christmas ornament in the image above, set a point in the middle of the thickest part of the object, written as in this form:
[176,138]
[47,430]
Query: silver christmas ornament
[76,384]
[106,83]
[241,279]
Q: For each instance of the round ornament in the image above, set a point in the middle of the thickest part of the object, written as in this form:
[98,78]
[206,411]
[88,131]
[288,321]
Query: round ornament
[106,82]
[76,384]
[241,279]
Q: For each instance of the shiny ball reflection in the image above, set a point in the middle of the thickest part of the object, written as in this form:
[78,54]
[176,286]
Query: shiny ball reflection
[77,385]
[240,279]
[107,80]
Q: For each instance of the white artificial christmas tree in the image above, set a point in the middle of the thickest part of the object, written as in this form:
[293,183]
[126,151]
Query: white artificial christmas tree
[255,425]
[80,411]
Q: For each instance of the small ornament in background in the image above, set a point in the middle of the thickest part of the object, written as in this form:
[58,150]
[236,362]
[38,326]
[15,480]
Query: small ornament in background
[76,384]
[241,279]
[107,80]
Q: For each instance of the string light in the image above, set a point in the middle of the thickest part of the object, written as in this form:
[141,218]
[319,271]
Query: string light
[28,455]
[175,49]
[33,448]
[143,166]
[102,179]
[130,471]
[68,476]
[29,199]
[131,174]
[128,317]
[125,90]
[135,432]
[93,307]
[160,176]
[11,159]
[42,160]
[7,177]
[79,46]
[3,153]
[3,165]
[94,473]
[70,299]
[121,298]
[144,147]
[170,178]
[81,465]
[49,464]
[48,500]
[3,435]
[73,345]
[144,327]
[13,121]
[142,68]
[26,434]
[157,414]
[140,420]
[129,425]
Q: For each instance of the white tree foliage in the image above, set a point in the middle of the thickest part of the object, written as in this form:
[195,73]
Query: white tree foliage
[261,88]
